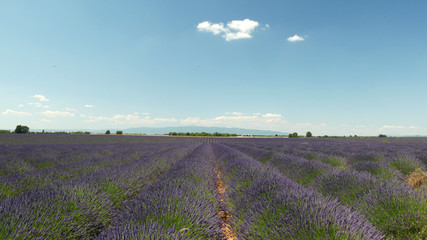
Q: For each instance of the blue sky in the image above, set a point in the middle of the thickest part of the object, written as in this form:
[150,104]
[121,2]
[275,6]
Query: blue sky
[329,67]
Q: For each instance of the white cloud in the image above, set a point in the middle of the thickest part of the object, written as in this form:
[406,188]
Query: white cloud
[39,105]
[89,106]
[21,105]
[263,121]
[191,121]
[9,112]
[399,130]
[235,113]
[215,28]
[71,109]
[295,38]
[271,117]
[138,113]
[267,121]
[234,118]
[41,98]
[236,29]
[128,119]
[386,127]
[46,120]
[57,114]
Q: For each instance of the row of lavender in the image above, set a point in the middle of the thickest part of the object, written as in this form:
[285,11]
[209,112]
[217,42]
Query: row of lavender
[266,205]
[84,203]
[261,203]
[167,191]
[397,157]
[394,207]
[183,204]
[62,163]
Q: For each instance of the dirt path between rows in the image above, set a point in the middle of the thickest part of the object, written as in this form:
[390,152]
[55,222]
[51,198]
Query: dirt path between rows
[223,214]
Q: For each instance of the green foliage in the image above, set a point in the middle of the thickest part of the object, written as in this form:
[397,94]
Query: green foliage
[382,136]
[107,132]
[80,132]
[22,129]
[4,131]
[119,132]
[335,161]
[308,134]
[293,135]
[405,164]
[399,216]
[261,229]
[266,158]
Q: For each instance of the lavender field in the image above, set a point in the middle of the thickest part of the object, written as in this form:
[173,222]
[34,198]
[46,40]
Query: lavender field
[141,187]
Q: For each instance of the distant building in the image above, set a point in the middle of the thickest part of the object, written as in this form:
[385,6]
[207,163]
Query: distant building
[246,135]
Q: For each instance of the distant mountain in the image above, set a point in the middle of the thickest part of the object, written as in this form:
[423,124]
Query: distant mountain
[166,130]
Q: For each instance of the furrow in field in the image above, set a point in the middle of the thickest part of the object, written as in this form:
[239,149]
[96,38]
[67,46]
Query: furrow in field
[266,205]
[181,205]
[83,207]
[392,206]
[13,185]
[223,212]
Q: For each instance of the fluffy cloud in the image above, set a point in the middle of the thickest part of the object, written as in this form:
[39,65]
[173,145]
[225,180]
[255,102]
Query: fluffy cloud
[386,127]
[399,130]
[269,121]
[236,29]
[71,109]
[295,38]
[57,114]
[271,117]
[89,106]
[263,121]
[235,113]
[39,105]
[41,98]
[128,119]
[9,112]
[215,28]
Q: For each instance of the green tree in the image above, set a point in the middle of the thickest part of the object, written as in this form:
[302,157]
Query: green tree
[107,132]
[382,136]
[290,135]
[119,132]
[295,134]
[308,134]
[22,129]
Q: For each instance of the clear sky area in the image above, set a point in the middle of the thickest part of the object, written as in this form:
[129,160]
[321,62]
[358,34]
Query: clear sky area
[329,67]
